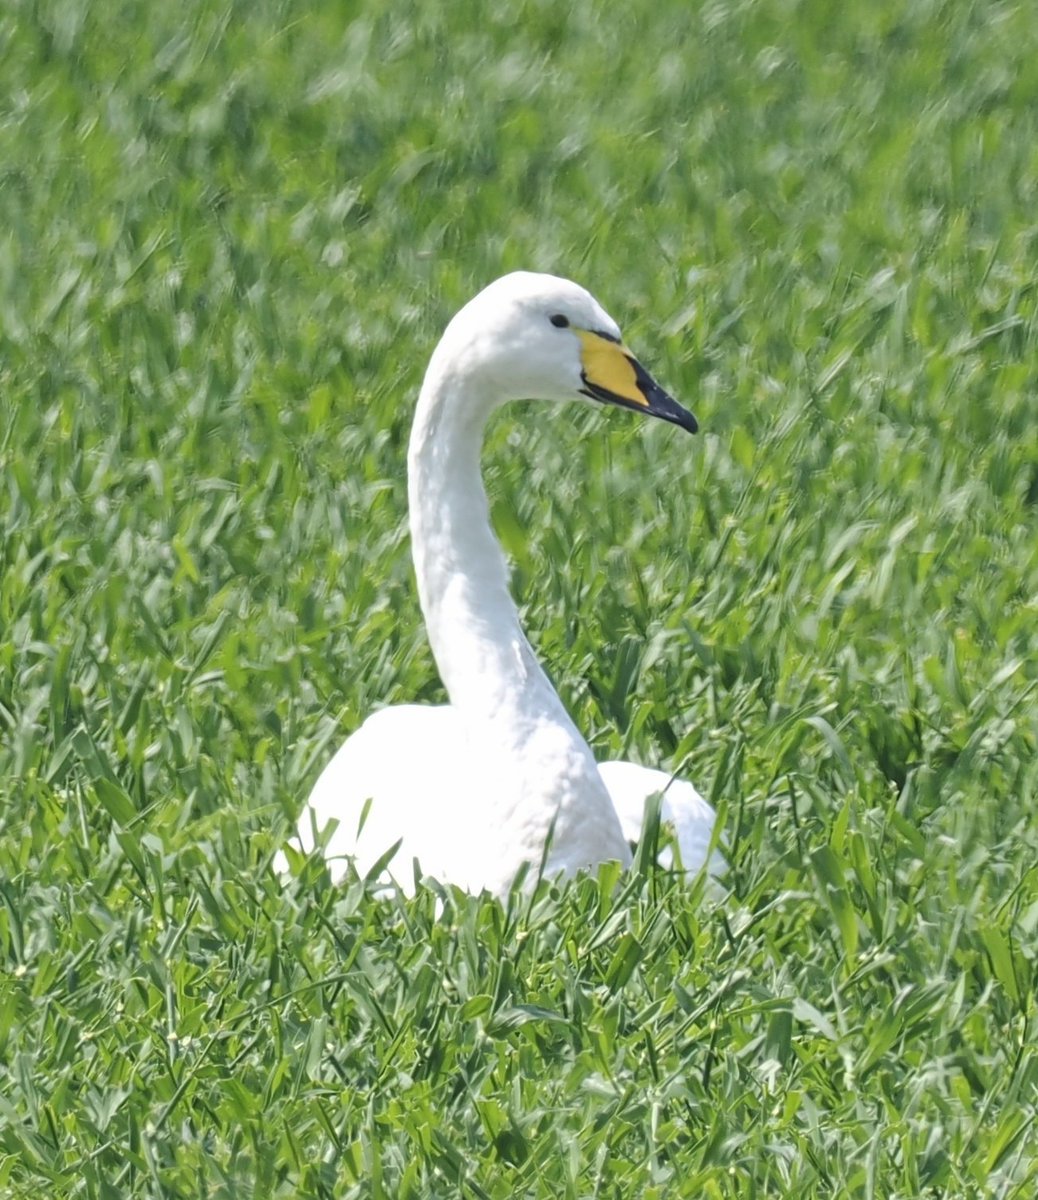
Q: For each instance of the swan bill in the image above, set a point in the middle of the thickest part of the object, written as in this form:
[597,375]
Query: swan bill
[613,375]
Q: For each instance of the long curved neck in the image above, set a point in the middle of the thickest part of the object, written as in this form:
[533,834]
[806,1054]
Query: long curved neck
[529,763]
[483,656]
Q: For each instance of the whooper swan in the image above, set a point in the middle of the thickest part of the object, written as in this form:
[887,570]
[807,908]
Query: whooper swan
[475,789]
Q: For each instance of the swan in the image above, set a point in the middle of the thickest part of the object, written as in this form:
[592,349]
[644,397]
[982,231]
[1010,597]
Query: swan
[501,776]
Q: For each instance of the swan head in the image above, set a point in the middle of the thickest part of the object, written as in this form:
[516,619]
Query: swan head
[537,337]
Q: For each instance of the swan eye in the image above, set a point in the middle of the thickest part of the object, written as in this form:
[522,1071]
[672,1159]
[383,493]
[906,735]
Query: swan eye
[559,321]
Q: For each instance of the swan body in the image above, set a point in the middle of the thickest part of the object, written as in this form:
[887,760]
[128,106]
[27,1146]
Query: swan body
[501,776]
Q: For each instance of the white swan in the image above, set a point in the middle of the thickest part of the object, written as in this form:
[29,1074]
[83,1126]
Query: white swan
[475,789]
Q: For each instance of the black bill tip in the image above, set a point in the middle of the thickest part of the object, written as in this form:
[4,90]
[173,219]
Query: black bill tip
[660,403]
[652,400]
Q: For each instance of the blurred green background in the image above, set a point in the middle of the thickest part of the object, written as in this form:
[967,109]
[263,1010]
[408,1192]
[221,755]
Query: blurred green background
[229,237]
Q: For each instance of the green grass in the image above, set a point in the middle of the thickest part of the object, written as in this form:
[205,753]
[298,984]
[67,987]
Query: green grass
[229,236]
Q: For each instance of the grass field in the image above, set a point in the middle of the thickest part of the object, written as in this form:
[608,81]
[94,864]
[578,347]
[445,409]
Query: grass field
[229,236]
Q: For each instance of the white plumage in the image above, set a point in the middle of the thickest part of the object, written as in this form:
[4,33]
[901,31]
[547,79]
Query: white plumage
[473,790]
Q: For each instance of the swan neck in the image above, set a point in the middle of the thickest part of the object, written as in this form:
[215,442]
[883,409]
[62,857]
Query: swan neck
[527,756]
[481,652]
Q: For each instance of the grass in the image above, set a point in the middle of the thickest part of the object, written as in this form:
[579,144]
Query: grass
[229,236]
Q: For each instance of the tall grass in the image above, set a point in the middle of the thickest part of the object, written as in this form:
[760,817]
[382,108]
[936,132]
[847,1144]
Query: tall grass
[229,236]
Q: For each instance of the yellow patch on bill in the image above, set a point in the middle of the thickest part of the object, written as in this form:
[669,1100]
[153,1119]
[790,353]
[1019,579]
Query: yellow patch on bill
[608,365]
